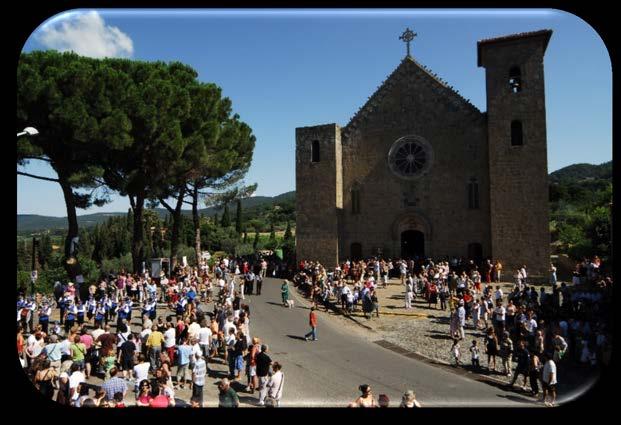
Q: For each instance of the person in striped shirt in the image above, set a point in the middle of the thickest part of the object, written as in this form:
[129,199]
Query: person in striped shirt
[198,378]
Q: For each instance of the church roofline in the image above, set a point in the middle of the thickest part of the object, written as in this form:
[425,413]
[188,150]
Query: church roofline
[372,101]
[546,34]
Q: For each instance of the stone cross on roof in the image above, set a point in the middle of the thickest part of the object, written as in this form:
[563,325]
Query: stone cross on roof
[407,36]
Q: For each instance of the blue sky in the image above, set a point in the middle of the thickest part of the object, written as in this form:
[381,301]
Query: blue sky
[285,69]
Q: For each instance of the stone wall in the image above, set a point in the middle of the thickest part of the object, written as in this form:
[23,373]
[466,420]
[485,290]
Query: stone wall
[318,193]
[518,174]
[413,102]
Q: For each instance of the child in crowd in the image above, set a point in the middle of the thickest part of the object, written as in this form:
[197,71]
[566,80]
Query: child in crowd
[455,351]
[474,350]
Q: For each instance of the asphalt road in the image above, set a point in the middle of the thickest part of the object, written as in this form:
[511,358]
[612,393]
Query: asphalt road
[328,372]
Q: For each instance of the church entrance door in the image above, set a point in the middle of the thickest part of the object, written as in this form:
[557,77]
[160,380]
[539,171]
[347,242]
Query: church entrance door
[412,244]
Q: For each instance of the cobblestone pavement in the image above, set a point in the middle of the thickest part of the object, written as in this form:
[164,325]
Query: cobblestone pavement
[424,330]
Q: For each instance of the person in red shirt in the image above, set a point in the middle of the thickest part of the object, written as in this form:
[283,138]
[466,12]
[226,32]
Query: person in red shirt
[161,400]
[312,321]
[118,398]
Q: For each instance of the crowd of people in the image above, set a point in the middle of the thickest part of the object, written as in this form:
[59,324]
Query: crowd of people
[93,337]
[544,329]
[543,332]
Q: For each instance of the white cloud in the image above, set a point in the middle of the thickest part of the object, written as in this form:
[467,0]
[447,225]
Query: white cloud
[86,34]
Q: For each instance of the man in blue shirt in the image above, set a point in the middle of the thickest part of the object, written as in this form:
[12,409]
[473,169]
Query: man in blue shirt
[54,352]
[184,354]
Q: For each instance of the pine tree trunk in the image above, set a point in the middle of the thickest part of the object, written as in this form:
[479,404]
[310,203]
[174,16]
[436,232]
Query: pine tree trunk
[197,224]
[138,239]
[176,216]
[72,231]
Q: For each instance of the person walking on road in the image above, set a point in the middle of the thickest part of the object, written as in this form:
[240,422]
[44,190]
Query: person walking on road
[312,321]
[284,292]
[259,282]
[274,385]
[263,368]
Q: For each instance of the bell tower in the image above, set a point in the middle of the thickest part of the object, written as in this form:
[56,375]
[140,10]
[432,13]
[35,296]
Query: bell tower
[517,144]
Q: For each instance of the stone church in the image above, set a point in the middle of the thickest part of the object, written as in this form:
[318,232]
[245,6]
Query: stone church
[419,171]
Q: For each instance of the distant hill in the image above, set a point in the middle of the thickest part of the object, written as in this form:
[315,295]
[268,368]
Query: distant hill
[578,172]
[26,223]
[34,223]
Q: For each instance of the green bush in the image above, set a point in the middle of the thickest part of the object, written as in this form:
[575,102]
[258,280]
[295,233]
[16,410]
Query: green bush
[188,252]
[581,250]
[114,265]
[23,278]
[244,249]
[47,278]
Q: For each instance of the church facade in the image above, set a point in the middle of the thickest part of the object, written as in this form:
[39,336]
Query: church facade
[420,172]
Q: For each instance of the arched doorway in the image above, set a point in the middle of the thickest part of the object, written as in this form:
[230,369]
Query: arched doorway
[412,244]
[356,251]
[475,252]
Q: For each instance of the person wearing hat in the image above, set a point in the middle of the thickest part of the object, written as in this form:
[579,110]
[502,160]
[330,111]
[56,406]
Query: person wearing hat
[91,306]
[409,400]
[125,311]
[70,315]
[80,310]
[44,316]
[63,303]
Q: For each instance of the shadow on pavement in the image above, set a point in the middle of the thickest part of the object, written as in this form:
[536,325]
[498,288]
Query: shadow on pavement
[448,337]
[273,303]
[517,399]
[297,337]
[219,374]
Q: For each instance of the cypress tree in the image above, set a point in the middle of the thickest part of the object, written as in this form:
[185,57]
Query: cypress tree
[226,220]
[255,243]
[45,250]
[238,217]
[288,231]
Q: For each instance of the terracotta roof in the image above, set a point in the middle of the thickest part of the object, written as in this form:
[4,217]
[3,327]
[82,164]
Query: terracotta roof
[540,33]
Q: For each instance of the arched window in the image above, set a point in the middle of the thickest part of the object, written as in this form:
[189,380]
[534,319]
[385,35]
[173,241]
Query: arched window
[516,133]
[315,151]
[355,199]
[473,194]
[356,251]
[515,79]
